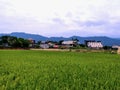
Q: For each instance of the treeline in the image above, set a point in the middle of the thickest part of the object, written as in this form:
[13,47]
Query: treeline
[13,42]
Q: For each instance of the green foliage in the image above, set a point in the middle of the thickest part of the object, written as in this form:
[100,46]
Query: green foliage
[107,47]
[60,42]
[13,42]
[47,70]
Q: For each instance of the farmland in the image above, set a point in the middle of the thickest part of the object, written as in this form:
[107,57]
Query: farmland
[55,70]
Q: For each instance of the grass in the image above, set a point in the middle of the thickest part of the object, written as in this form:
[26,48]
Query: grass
[53,70]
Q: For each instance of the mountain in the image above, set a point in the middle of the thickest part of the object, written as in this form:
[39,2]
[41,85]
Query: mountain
[26,36]
[105,40]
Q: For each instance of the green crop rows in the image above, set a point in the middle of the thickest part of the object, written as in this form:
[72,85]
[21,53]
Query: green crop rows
[53,70]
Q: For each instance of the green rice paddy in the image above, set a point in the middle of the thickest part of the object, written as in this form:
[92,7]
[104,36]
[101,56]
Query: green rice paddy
[55,70]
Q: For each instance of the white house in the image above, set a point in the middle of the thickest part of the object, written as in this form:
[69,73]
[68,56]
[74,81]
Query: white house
[68,44]
[44,45]
[115,46]
[95,45]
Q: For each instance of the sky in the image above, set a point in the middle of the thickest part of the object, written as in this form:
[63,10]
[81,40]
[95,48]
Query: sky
[61,17]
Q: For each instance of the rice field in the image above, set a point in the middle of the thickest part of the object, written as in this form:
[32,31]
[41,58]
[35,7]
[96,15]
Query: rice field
[55,70]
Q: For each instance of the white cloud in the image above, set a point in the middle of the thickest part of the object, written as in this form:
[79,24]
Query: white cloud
[60,17]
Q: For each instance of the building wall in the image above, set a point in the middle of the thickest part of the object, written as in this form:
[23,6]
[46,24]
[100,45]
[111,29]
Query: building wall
[95,45]
[44,46]
[67,42]
[118,51]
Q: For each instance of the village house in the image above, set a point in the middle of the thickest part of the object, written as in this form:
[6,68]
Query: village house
[44,45]
[115,47]
[49,44]
[68,44]
[32,42]
[55,46]
[94,44]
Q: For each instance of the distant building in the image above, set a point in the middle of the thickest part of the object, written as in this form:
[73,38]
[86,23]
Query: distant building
[32,42]
[115,47]
[118,51]
[86,42]
[44,45]
[68,44]
[55,46]
[51,44]
[93,44]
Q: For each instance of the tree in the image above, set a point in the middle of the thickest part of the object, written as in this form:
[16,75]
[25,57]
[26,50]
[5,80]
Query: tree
[39,42]
[107,47]
[14,42]
[23,43]
[60,42]
[4,39]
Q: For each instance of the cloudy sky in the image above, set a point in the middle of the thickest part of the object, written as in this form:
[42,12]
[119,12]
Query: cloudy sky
[61,17]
